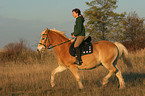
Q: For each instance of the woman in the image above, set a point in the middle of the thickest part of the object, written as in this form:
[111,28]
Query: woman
[79,34]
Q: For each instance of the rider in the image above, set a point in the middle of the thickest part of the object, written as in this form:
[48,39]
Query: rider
[78,34]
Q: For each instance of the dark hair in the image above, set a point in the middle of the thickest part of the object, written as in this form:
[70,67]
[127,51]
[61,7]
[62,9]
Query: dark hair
[78,11]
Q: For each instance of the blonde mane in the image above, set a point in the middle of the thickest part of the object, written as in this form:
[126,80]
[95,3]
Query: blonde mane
[61,33]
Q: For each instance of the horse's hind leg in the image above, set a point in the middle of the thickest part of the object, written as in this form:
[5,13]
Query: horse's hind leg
[112,70]
[120,78]
[58,69]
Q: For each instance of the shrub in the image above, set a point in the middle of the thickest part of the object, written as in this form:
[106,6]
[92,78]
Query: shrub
[135,45]
[19,53]
[16,52]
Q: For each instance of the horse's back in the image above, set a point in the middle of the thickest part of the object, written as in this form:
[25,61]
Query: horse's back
[104,45]
[105,49]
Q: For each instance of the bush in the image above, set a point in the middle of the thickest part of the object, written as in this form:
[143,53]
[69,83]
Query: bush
[17,52]
[135,45]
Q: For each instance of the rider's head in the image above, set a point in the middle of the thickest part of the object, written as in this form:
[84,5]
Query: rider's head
[76,12]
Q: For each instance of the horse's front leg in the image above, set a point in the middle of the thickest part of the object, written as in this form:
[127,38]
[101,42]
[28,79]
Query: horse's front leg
[57,70]
[74,70]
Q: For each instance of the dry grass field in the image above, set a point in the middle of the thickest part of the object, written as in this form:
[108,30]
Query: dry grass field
[31,77]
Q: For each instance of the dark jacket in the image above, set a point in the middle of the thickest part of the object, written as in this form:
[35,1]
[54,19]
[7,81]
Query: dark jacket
[79,29]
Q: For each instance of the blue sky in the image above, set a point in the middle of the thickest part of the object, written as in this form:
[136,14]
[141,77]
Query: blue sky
[26,19]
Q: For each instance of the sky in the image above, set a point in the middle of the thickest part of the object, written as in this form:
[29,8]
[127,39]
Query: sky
[26,19]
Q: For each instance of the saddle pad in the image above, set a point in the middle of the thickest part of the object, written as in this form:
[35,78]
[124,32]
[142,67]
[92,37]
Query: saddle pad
[86,48]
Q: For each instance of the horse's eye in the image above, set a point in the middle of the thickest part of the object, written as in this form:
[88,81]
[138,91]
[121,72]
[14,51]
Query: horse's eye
[43,38]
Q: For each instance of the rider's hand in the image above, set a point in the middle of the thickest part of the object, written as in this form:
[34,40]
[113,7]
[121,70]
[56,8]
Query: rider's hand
[73,36]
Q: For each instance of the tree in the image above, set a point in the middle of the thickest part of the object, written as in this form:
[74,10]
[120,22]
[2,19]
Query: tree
[102,22]
[134,27]
[134,32]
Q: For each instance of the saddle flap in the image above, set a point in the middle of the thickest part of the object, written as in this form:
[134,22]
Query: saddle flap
[88,39]
[86,47]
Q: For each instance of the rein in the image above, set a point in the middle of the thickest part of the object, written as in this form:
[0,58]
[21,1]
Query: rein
[54,45]
[58,44]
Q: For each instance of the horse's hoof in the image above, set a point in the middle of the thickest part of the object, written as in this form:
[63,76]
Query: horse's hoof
[52,84]
[105,81]
[122,87]
[81,88]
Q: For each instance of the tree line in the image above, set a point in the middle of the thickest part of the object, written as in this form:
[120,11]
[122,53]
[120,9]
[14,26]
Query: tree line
[103,23]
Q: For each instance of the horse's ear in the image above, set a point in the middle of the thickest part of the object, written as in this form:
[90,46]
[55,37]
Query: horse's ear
[44,29]
[47,30]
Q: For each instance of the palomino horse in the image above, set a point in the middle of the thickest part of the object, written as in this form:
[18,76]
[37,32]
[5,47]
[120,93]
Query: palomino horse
[104,52]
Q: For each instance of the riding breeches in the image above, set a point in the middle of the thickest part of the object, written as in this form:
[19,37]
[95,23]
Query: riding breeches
[78,41]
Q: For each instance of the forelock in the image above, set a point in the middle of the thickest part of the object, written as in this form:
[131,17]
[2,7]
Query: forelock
[43,32]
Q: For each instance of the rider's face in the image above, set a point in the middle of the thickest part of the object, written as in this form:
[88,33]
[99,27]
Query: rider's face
[75,14]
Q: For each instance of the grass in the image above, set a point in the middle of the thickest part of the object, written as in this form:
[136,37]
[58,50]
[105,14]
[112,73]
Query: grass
[32,78]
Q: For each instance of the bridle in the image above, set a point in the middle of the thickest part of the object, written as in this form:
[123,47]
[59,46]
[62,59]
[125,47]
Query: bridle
[45,40]
[50,47]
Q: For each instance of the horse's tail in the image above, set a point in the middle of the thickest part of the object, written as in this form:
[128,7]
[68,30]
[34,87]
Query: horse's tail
[123,53]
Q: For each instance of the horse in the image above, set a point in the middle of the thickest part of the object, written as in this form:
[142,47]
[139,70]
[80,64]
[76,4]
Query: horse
[105,53]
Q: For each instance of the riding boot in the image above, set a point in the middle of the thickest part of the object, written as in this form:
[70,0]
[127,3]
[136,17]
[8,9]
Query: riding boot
[78,58]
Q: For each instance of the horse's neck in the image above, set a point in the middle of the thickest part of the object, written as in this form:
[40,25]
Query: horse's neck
[58,38]
[63,48]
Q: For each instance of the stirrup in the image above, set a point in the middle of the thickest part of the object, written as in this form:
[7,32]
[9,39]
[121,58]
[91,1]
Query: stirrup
[78,62]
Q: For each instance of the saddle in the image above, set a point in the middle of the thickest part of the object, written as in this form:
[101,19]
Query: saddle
[86,47]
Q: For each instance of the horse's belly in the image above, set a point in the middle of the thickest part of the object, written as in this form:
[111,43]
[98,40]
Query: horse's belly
[89,62]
